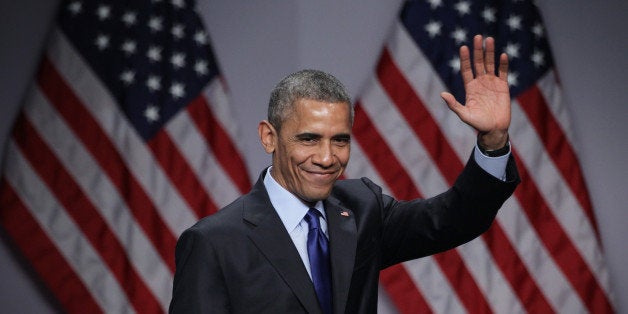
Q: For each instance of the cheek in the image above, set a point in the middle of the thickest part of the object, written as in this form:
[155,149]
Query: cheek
[299,155]
[343,155]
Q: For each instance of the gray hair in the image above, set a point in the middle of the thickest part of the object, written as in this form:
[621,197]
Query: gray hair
[305,84]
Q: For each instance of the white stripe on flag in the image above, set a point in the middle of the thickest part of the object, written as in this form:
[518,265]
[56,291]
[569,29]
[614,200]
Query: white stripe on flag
[434,286]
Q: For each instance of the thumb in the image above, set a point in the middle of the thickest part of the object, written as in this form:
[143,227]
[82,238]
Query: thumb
[451,102]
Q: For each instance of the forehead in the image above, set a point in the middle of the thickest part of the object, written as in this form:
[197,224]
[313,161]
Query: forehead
[320,114]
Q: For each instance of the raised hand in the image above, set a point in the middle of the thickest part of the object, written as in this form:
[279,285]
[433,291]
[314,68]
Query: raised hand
[487,103]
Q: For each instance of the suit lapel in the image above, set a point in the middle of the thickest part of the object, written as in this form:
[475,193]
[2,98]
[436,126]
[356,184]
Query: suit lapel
[343,242]
[272,239]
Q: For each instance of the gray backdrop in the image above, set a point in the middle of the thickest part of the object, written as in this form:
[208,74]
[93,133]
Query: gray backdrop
[258,42]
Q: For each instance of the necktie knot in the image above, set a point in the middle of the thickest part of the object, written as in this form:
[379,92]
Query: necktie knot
[312,219]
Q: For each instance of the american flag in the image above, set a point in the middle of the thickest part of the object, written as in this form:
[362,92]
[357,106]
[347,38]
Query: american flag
[542,254]
[124,141]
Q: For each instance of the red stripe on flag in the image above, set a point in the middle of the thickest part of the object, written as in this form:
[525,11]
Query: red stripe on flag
[559,244]
[507,259]
[558,148]
[182,176]
[402,291]
[84,213]
[42,254]
[220,142]
[105,153]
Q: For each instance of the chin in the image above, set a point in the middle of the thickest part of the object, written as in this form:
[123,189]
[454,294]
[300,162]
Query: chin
[314,197]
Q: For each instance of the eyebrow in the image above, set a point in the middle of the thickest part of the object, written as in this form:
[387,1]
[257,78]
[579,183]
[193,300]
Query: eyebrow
[343,136]
[308,135]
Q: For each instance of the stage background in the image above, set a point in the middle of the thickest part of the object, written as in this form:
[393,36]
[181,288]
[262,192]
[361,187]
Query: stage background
[259,42]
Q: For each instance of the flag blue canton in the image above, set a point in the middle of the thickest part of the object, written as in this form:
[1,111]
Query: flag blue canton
[440,27]
[154,56]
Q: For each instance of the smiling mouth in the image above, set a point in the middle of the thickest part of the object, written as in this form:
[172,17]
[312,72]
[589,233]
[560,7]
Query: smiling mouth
[325,175]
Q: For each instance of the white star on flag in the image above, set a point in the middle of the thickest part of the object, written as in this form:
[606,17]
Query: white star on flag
[155,23]
[177,90]
[151,113]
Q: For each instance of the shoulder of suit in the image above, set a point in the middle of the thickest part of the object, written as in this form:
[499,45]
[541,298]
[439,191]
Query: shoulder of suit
[355,188]
[221,218]
[362,182]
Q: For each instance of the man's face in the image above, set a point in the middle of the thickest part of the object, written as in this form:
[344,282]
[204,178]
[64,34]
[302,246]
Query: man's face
[312,149]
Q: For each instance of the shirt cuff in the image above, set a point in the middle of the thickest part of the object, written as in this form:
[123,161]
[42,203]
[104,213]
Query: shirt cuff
[495,166]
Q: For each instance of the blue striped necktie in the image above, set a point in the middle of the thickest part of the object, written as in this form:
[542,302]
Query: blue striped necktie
[318,251]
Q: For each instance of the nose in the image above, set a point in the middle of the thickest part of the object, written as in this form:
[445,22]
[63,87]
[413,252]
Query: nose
[324,156]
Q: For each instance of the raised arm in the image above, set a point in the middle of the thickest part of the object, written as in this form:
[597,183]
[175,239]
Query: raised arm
[487,103]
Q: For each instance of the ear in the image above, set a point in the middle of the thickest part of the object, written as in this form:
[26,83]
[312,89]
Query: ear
[268,136]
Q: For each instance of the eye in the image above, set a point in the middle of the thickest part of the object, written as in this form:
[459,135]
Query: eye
[308,138]
[341,141]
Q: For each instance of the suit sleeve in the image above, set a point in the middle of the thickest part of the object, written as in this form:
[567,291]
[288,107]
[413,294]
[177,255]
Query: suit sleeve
[199,286]
[417,228]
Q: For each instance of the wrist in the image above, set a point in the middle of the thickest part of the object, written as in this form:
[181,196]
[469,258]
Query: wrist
[499,146]
[492,140]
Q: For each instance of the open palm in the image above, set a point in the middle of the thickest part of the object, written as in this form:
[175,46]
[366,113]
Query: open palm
[487,103]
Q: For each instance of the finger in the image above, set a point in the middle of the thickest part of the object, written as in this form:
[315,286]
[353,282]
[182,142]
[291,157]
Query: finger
[465,65]
[503,67]
[489,55]
[478,56]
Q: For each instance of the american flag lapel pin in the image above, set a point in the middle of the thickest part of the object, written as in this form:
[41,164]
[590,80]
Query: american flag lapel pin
[344,213]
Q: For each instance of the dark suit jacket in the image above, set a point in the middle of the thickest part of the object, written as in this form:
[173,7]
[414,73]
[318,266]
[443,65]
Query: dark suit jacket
[242,260]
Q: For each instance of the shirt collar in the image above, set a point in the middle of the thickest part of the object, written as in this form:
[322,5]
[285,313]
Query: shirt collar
[289,207]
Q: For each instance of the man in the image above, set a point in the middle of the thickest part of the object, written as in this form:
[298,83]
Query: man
[302,242]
